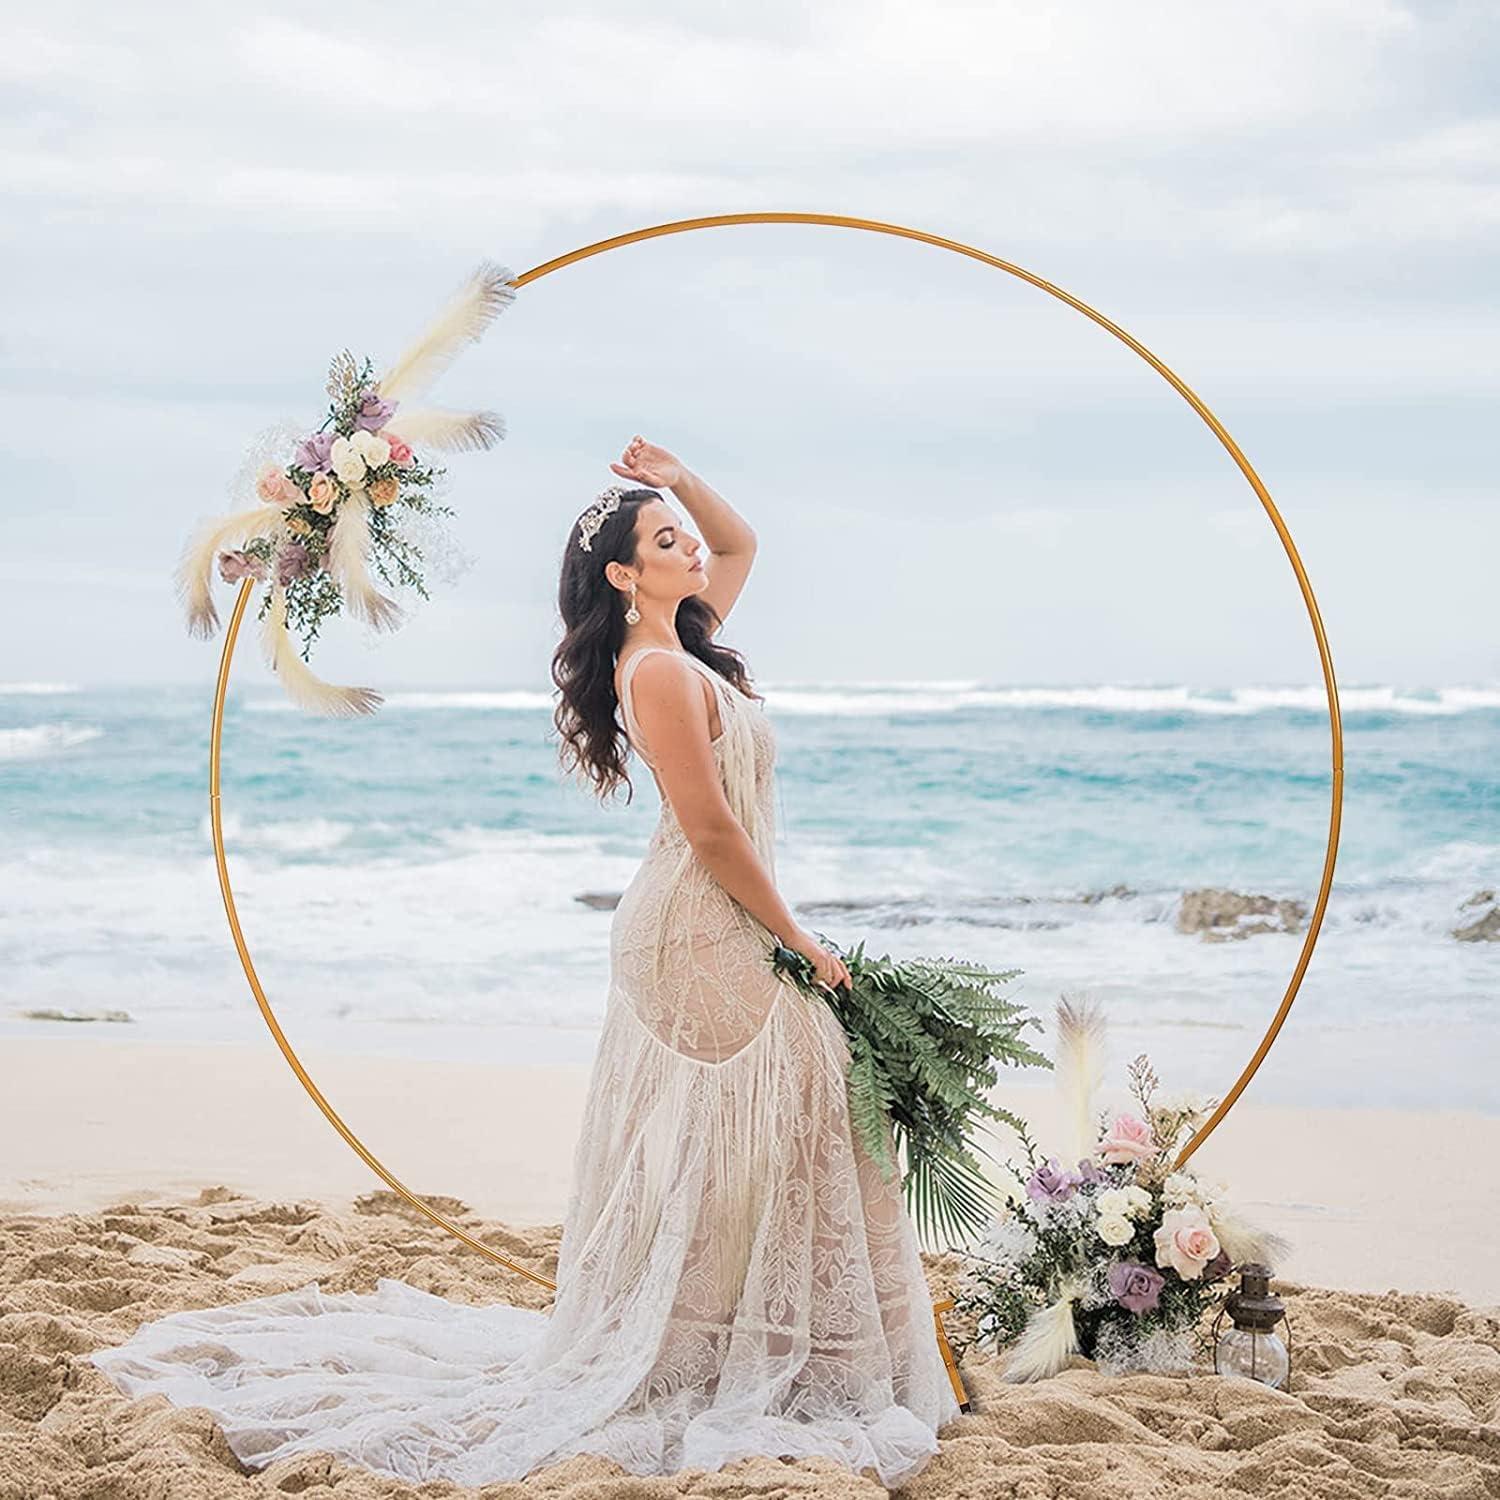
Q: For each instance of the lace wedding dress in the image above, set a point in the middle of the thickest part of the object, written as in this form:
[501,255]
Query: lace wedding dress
[735,1275]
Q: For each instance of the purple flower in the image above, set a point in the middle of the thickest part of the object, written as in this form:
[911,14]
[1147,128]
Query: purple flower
[1052,1183]
[312,452]
[236,565]
[374,411]
[1135,1286]
[1220,1265]
[292,561]
[1088,1171]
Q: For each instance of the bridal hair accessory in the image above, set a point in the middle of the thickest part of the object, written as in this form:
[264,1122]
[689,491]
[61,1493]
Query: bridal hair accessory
[605,503]
[318,521]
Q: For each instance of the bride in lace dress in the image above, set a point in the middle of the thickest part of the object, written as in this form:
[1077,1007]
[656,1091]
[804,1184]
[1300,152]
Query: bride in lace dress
[736,1276]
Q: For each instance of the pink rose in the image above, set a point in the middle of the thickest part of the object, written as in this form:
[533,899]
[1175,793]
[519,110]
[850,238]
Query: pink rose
[400,448]
[322,493]
[275,488]
[1128,1139]
[239,564]
[1186,1241]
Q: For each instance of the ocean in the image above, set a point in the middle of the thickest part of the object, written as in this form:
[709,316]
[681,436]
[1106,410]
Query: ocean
[415,881]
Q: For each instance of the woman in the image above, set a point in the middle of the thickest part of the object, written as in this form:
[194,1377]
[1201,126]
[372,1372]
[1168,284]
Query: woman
[736,1276]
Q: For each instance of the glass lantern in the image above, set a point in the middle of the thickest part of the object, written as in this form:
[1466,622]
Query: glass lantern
[1250,1346]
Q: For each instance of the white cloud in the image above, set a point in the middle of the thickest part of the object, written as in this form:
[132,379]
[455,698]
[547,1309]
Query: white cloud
[1293,205]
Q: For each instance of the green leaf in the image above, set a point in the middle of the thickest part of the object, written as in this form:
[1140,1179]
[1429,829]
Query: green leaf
[926,1041]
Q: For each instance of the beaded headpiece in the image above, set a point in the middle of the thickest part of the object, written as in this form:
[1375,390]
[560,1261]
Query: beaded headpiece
[604,503]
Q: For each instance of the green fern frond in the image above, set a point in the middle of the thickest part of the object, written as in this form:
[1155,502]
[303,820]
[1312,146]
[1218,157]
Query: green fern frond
[926,1038]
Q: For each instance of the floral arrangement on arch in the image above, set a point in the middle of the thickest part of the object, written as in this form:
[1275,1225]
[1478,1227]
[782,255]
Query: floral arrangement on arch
[327,518]
[1119,1256]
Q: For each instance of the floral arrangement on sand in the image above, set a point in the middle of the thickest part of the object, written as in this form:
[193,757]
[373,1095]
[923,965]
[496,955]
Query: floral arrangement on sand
[328,509]
[1118,1256]
[925,1036]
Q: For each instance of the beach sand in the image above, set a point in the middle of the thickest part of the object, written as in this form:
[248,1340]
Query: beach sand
[143,1177]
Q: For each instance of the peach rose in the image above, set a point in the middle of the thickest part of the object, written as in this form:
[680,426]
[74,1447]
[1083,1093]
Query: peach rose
[298,527]
[384,491]
[1186,1242]
[322,493]
[400,448]
[275,488]
[1128,1139]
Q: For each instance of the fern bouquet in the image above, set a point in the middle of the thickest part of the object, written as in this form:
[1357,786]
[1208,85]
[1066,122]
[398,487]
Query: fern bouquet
[926,1036]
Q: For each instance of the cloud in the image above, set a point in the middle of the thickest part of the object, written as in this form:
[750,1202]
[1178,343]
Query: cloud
[1293,205]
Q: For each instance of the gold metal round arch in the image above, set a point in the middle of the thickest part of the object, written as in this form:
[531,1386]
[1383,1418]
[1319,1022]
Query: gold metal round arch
[680,226]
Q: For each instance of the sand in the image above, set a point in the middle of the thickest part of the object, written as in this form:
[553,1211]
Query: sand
[1371,1199]
[1393,1395]
[143,1178]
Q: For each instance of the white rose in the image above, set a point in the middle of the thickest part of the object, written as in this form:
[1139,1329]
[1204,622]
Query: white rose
[348,462]
[1115,1229]
[374,450]
[1186,1242]
[1139,1200]
[1112,1203]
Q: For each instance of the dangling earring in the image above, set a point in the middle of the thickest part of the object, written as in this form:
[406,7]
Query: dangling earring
[632,615]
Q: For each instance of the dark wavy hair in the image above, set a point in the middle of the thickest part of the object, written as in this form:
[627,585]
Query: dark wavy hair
[593,744]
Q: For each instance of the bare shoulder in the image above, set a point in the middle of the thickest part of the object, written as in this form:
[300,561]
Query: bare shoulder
[671,696]
[665,678]
[632,669]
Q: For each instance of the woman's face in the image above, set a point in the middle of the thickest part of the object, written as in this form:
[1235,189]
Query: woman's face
[673,562]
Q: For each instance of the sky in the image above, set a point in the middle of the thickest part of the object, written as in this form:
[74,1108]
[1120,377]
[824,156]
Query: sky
[952,473]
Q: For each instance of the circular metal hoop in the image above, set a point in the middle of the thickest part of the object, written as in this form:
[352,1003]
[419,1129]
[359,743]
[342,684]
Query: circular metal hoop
[837,221]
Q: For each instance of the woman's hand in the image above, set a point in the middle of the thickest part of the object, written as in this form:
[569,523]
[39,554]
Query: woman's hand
[829,968]
[647,464]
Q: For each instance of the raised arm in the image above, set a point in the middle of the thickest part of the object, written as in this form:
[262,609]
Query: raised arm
[727,535]
[730,540]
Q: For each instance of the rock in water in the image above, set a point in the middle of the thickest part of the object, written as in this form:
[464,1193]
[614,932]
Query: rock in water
[1484,927]
[1219,915]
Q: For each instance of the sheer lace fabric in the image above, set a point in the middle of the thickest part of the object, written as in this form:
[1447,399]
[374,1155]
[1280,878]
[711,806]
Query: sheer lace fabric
[735,1275]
